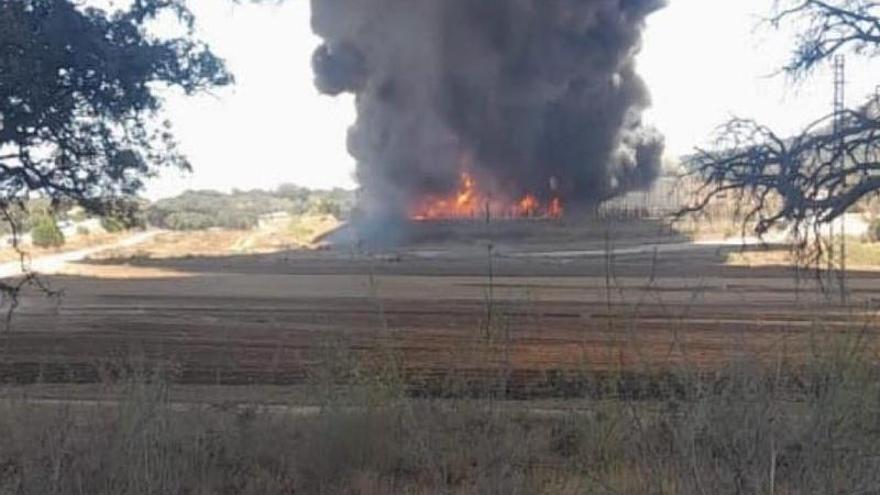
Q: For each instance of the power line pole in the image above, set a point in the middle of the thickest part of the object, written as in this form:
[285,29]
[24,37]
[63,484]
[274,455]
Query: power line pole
[839,108]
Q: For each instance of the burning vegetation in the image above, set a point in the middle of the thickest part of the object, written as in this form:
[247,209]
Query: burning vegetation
[540,97]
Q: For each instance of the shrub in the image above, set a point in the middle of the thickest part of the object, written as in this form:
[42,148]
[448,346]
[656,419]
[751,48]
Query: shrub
[185,220]
[235,220]
[112,225]
[46,233]
[325,206]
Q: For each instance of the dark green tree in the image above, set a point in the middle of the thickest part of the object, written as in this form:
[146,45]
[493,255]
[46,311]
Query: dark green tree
[79,100]
[79,97]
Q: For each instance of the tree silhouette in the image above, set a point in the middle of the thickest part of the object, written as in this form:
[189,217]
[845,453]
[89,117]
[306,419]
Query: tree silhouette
[817,175]
[79,97]
[827,27]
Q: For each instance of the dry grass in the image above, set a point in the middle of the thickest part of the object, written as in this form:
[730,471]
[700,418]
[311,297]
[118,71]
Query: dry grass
[299,232]
[860,255]
[863,254]
[73,244]
[748,428]
[720,227]
[753,426]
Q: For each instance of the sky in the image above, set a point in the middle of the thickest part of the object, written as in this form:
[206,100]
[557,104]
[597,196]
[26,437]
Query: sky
[703,60]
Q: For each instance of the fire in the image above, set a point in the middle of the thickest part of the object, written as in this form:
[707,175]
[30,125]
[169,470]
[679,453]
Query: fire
[527,206]
[470,202]
[555,209]
[466,201]
[464,204]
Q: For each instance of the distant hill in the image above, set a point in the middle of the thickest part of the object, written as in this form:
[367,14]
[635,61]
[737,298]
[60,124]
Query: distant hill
[199,210]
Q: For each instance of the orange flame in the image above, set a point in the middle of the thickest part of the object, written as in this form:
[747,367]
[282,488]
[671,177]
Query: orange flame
[465,203]
[527,206]
[469,202]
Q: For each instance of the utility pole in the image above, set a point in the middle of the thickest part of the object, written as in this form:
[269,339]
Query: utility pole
[839,108]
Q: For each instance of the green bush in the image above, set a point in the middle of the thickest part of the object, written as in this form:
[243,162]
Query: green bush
[112,225]
[185,220]
[326,206]
[46,233]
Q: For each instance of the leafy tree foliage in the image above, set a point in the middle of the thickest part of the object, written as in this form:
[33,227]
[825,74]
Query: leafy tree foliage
[79,97]
[124,214]
[834,163]
[198,210]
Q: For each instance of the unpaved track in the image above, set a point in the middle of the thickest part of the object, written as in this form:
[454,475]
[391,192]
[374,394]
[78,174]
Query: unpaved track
[54,263]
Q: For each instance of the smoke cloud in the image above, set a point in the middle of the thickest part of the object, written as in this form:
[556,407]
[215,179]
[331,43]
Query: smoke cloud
[530,96]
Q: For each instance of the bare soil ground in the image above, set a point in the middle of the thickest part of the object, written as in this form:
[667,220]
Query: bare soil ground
[285,234]
[547,301]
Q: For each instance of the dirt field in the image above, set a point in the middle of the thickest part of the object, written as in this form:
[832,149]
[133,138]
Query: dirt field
[548,301]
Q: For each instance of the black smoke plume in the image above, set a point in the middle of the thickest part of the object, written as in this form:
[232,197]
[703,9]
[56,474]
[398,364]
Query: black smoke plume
[542,96]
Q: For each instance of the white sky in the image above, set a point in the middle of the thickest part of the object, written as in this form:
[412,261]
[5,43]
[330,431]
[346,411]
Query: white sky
[704,60]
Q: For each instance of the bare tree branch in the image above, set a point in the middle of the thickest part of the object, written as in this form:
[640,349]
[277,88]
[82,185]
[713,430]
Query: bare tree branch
[815,176]
[828,28]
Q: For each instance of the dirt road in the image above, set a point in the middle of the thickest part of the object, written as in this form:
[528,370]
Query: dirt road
[54,263]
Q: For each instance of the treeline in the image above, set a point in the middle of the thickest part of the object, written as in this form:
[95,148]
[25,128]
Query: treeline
[45,220]
[197,210]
